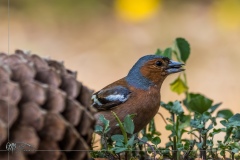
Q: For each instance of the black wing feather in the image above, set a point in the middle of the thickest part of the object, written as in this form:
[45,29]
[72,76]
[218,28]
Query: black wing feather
[108,98]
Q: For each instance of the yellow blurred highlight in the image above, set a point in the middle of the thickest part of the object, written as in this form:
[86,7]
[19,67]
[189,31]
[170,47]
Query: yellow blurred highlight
[136,10]
[227,13]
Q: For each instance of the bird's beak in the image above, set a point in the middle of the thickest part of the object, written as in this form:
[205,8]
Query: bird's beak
[174,67]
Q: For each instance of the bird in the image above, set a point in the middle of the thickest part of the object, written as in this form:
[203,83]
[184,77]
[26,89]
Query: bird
[137,93]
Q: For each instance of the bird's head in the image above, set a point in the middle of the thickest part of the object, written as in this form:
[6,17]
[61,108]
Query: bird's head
[152,70]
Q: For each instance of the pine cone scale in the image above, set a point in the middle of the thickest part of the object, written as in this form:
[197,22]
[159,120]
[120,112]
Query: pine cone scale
[44,106]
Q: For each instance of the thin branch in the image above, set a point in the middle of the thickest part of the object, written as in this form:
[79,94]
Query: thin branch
[163,118]
[185,157]
[153,150]
[160,114]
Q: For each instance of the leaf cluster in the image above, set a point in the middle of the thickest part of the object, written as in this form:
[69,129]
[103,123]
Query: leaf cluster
[197,121]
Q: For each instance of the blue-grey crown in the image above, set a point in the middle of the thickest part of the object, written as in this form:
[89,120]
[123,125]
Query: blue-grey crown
[135,77]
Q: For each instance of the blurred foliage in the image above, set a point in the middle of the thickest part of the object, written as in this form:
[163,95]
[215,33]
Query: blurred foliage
[60,9]
[136,10]
[227,13]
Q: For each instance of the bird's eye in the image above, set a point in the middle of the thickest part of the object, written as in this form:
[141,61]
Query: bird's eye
[159,63]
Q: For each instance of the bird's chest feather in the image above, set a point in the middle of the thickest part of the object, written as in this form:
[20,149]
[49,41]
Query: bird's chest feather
[147,105]
[146,99]
[144,104]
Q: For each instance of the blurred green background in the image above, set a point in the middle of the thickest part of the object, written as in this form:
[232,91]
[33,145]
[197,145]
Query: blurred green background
[102,39]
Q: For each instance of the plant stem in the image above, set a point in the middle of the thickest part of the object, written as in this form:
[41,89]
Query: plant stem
[232,155]
[175,52]
[153,150]
[185,157]
[126,156]
[163,118]
[104,141]
[200,141]
[123,132]
[174,140]
[204,147]
[178,136]
[203,138]
[121,127]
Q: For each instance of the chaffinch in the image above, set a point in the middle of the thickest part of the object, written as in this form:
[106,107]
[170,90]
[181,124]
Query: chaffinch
[137,93]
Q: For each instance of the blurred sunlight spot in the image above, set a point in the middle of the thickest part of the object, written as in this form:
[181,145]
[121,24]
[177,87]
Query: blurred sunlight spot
[227,13]
[136,10]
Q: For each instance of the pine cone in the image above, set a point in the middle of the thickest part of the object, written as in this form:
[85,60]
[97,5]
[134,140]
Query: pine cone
[45,107]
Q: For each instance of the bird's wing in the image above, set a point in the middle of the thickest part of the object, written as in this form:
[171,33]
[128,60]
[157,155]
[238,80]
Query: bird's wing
[110,97]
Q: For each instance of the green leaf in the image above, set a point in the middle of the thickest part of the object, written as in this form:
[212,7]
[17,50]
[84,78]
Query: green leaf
[235,145]
[222,153]
[225,114]
[195,123]
[117,137]
[235,120]
[173,107]
[169,144]
[214,107]
[152,126]
[128,124]
[143,140]
[209,143]
[179,146]
[235,150]
[185,121]
[200,126]
[104,121]
[169,127]
[186,145]
[199,103]
[214,132]
[224,123]
[210,127]
[158,52]
[236,134]
[199,145]
[168,53]
[166,106]
[178,86]
[156,140]
[177,108]
[228,133]
[213,119]
[132,115]
[98,129]
[205,116]
[184,48]
[131,141]
[119,149]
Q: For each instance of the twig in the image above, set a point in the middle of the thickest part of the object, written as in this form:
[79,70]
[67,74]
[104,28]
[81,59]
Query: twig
[204,147]
[160,114]
[154,152]
[232,154]
[162,118]
[189,151]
